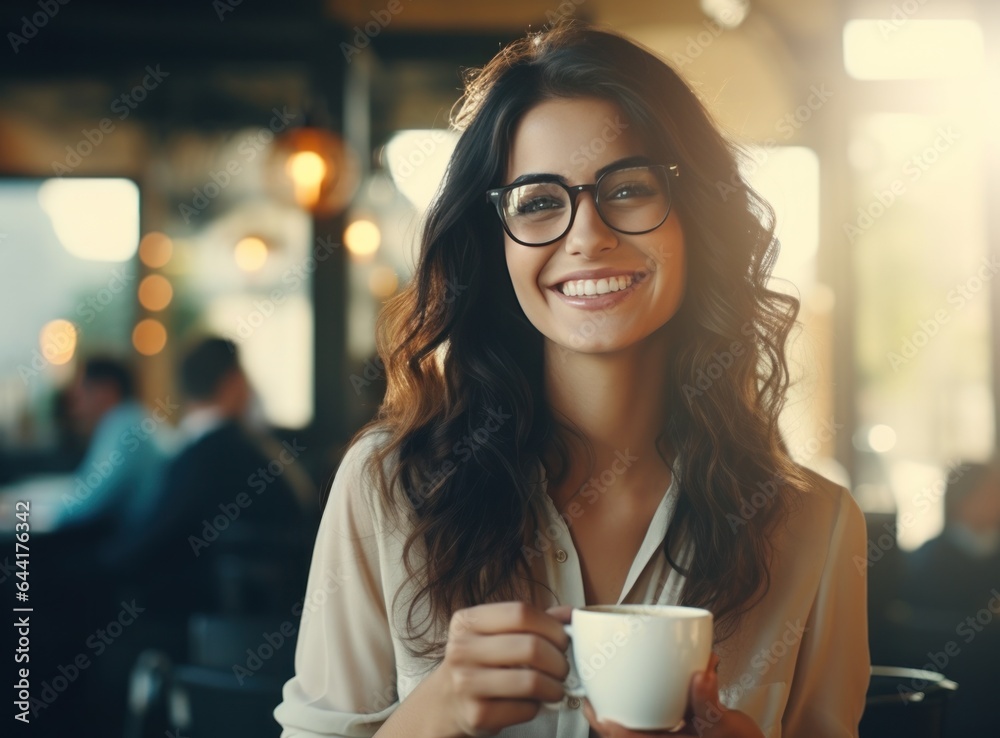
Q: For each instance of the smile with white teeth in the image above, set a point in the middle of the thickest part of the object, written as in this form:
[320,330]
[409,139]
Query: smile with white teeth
[586,287]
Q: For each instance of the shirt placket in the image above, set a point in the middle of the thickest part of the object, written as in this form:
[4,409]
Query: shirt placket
[566,579]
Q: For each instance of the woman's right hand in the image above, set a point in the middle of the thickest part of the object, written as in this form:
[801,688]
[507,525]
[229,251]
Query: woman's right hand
[501,662]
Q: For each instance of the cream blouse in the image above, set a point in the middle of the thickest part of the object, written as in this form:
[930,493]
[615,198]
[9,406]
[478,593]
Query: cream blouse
[798,665]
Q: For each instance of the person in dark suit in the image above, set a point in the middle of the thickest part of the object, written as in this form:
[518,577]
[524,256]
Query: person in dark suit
[233,512]
[952,593]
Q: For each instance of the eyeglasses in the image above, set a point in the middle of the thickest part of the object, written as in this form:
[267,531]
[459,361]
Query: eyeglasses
[631,200]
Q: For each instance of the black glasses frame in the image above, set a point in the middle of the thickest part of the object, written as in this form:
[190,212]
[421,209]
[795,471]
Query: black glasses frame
[495,196]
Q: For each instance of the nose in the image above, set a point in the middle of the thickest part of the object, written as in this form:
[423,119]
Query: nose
[589,235]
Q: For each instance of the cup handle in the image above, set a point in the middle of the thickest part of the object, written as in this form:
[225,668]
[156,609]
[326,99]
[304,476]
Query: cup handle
[572,685]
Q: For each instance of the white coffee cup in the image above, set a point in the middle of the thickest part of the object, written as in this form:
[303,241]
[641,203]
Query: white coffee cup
[635,662]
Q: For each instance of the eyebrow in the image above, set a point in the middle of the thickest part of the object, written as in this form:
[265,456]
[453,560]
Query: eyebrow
[628,161]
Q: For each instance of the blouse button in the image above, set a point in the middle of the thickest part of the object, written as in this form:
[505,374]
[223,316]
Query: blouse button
[573,702]
[561,556]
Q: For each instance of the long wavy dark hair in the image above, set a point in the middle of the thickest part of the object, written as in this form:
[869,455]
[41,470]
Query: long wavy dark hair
[461,356]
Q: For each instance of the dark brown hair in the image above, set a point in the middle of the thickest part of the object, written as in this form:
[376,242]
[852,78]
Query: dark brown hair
[457,347]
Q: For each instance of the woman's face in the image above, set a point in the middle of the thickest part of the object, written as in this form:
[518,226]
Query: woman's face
[574,139]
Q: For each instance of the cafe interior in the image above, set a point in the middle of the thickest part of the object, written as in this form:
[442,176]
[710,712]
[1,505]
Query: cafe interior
[231,190]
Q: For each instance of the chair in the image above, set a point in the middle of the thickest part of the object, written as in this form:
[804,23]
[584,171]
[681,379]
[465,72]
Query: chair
[261,644]
[905,703]
[208,703]
[257,570]
[146,714]
[232,661]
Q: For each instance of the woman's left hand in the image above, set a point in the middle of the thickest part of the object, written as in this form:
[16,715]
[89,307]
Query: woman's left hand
[706,717]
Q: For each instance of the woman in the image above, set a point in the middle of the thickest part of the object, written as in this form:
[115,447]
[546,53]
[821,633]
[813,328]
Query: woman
[584,381]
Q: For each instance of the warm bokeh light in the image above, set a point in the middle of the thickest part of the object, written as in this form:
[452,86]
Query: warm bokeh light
[155,249]
[57,341]
[149,337]
[362,238]
[417,160]
[383,282]
[155,292]
[250,254]
[307,170]
[95,219]
[314,169]
[881,438]
[917,49]
[727,13]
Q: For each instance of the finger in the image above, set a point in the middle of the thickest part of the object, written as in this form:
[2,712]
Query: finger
[511,684]
[705,696]
[595,724]
[562,613]
[713,662]
[509,617]
[512,650]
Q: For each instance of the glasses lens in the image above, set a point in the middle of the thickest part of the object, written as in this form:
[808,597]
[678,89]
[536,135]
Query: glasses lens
[536,213]
[635,199]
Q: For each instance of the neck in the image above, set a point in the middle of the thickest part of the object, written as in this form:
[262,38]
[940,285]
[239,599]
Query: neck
[616,400]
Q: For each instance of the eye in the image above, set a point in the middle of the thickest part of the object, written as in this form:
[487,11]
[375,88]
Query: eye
[537,204]
[630,185]
[535,200]
[629,190]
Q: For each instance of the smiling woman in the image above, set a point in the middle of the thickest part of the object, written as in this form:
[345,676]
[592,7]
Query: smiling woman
[626,231]
[580,267]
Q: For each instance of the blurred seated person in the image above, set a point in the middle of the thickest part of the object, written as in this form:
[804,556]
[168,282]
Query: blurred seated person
[955,572]
[127,450]
[224,481]
[62,456]
[951,595]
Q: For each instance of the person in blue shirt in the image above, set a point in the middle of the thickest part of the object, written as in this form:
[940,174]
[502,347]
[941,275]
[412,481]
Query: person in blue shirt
[128,447]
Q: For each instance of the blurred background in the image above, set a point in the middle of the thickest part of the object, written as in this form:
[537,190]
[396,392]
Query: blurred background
[256,172]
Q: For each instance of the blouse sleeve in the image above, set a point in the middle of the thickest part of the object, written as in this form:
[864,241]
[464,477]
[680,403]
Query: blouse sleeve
[345,672]
[831,675]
